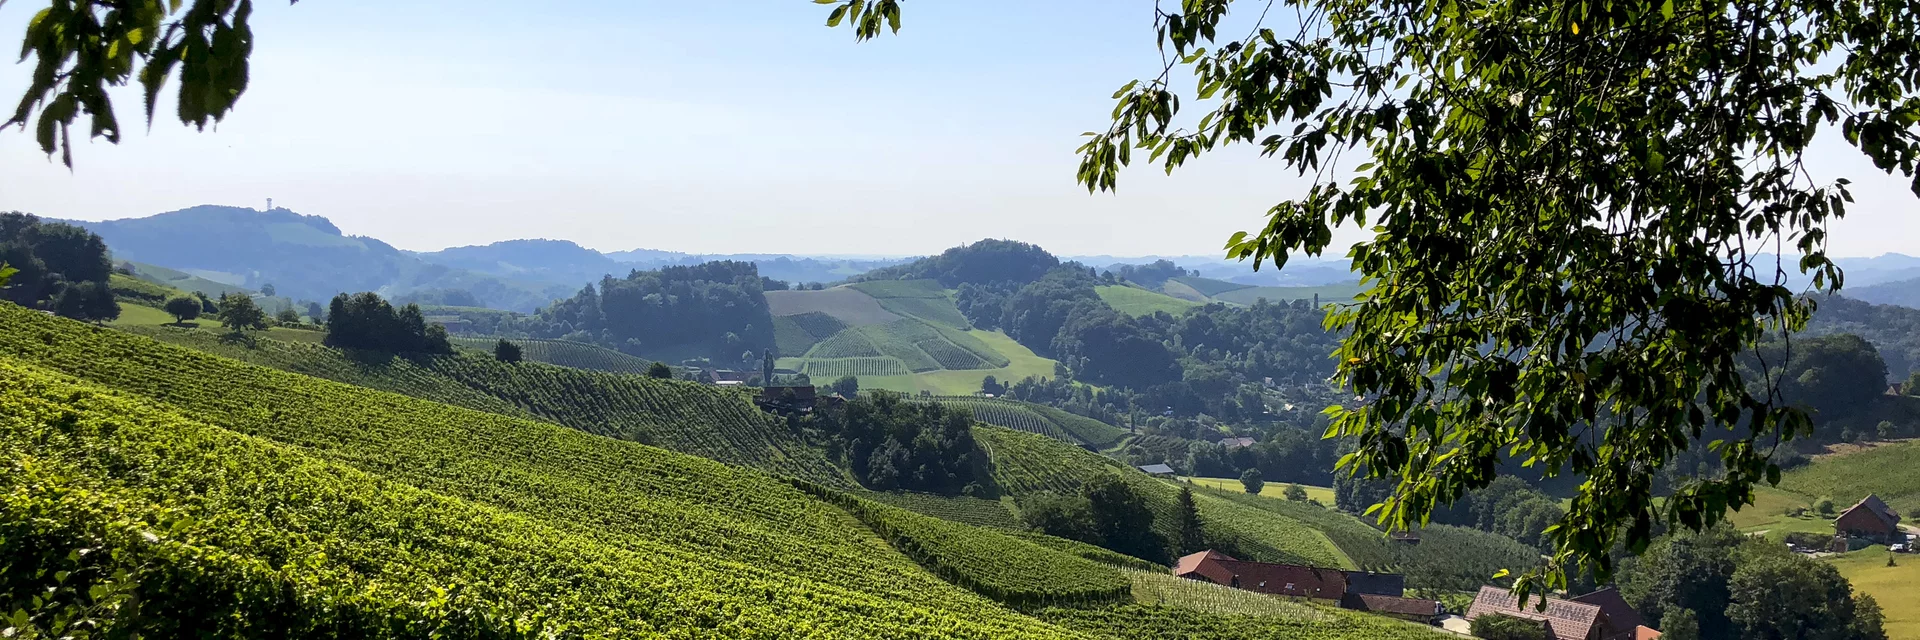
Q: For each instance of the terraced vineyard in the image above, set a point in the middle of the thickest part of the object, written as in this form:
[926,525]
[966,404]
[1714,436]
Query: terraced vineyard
[1160,588]
[706,421]
[824,369]
[1141,621]
[564,353]
[242,490]
[978,512]
[1038,419]
[796,334]
[1025,463]
[993,564]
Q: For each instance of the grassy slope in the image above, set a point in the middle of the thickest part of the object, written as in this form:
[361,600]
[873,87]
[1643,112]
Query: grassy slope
[1271,490]
[1209,287]
[602,533]
[1896,588]
[683,416]
[1135,301]
[1039,419]
[1328,294]
[1891,471]
[869,307]
[1024,463]
[385,499]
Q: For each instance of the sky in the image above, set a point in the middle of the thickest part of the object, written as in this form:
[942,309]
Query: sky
[707,127]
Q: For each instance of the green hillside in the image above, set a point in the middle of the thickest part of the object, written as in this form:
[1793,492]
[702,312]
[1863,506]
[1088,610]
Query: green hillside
[1327,294]
[1135,301]
[683,416]
[1207,286]
[374,502]
[1025,463]
[578,355]
[263,503]
[899,335]
[1038,419]
[1890,471]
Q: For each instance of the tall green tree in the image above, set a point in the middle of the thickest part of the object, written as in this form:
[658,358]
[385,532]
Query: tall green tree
[1192,537]
[238,313]
[1568,202]
[183,309]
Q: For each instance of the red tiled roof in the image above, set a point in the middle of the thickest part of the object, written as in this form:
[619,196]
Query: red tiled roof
[1390,604]
[1645,633]
[1288,580]
[1569,620]
[1204,565]
[1620,615]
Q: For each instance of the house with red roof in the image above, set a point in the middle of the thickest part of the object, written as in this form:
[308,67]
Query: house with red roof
[1601,615]
[1872,519]
[1357,590]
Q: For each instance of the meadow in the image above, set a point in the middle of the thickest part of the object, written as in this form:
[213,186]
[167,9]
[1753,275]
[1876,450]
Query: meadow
[1271,490]
[1896,588]
[1135,301]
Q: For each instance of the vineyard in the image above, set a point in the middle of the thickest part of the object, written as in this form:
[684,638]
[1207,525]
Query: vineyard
[1891,471]
[845,344]
[794,335]
[964,510]
[826,369]
[1163,589]
[1366,546]
[328,507]
[1038,419]
[564,353]
[993,564]
[1090,552]
[1143,621]
[683,416]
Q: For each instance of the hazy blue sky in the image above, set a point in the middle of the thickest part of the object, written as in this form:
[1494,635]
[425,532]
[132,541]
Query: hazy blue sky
[741,126]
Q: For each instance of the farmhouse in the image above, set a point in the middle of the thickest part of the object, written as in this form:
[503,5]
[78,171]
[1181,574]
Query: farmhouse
[1601,615]
[1871,519]
[799,398]
[1374,592]
[1237,443]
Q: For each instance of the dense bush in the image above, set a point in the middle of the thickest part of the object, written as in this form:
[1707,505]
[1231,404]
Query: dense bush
[365,321]
[58,267]
[717,309]
[895,443]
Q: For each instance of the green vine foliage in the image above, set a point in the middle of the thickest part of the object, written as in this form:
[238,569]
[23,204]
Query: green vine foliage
[1569,202]
[82,48]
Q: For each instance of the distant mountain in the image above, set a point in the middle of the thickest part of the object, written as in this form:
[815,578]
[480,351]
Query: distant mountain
[548,261]
[1301,271]
[1905,293]
[303,257]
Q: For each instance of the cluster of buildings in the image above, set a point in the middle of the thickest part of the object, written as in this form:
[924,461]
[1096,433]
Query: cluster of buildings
[1379,593]
[1601,615]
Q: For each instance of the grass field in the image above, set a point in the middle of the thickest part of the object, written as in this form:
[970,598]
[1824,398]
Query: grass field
[1271,490]
[1135,301]
[1896,588]
[1209,287]
[850,306]
[135,315]
[1328,294]
[1891,472]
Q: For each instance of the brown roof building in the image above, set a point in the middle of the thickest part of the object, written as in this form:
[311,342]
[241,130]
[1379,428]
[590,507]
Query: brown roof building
[1359,590]
[1567,619]
[1870,518]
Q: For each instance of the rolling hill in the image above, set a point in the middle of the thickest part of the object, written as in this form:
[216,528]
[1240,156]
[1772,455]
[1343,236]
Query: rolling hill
[1203,290]
[304,257]
[577,355]
[1135,301]
[1038,419]
[899,335]
[264,503]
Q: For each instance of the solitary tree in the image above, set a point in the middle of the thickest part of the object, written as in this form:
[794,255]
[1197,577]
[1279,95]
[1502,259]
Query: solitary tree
[315,313]
[508,352]
[1250,479]
[267,290]
[287,316]
[1192,538]
[238,313]
[659,371]
[1294,493]
[183,309]
[846,386]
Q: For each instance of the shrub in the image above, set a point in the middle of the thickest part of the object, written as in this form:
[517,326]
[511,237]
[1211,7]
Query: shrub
[183,309]
[506,351]
[660,370]
[1251,480]
[1295,493]
[1823,506]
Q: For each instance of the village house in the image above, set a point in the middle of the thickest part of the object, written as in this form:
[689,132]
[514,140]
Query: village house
[1871,519]
[1601,615]
[790,399]
[1237,443]
[1380,593]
